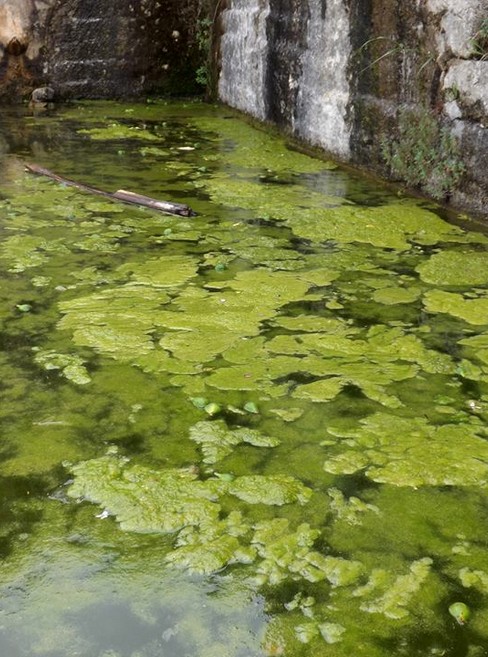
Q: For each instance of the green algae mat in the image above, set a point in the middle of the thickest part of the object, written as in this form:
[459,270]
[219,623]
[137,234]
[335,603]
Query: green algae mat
[258,432]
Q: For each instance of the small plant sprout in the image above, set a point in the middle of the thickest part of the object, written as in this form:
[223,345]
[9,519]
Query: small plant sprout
[479,42]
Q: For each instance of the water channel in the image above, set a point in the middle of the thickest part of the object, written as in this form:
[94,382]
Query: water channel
[257,432]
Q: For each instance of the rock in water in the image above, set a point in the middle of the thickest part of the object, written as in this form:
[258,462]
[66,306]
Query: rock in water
[43,95]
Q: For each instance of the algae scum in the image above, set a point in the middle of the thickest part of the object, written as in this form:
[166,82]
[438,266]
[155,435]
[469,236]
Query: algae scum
[257,432]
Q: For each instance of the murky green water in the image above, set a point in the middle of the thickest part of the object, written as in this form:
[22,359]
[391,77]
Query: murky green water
[258,432]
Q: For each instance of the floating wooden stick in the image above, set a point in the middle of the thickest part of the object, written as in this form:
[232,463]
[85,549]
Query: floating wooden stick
[123,195]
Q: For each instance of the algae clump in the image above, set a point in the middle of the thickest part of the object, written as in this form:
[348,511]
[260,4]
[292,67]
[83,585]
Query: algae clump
[117,321]
[167,271]
[269,489]
[217,441]
[72,367]
[398,592]
[172,499]
[391,296]
[457,268]
[289,555]
[119,131]
[411,452]
[473,311]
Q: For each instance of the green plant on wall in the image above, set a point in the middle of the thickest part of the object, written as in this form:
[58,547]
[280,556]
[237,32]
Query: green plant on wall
[206,18]
[203,39]
[425,155]
[479,42]
[395,49]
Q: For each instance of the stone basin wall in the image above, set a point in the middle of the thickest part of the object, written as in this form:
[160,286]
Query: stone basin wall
[338,73]
[335,73]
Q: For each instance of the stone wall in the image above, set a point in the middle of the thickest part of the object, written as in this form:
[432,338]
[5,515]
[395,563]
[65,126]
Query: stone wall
[422,55]
[97,48]
[21,40]
[463,89]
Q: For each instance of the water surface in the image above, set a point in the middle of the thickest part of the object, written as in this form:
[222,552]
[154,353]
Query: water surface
[260,431]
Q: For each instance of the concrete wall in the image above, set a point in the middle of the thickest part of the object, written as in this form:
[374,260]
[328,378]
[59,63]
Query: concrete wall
[97,48]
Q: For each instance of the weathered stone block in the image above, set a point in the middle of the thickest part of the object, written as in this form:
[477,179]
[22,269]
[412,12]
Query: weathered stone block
[468,81]
[459,22]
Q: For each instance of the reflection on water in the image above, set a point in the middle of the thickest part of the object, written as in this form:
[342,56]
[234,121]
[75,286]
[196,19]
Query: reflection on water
[79,597]
[261,431]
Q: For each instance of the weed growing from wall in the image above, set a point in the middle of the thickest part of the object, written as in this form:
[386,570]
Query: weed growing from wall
[479,42]
[203,39]
[396,49]
[425,155]
[206,19]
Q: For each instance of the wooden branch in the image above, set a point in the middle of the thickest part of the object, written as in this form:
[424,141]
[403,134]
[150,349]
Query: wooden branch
[178,209]
[148,202]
